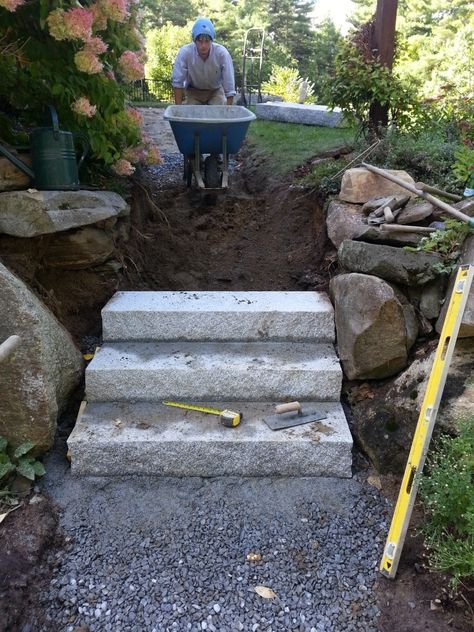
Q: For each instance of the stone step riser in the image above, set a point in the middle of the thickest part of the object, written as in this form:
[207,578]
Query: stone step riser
[149,439]
[140,385]
[204,371]
[218,316]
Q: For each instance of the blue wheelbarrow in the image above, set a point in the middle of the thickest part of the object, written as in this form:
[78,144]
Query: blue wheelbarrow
[216,130]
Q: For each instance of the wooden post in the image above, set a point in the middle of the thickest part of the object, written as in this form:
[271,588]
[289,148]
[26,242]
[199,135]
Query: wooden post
[383,44]
[384,30]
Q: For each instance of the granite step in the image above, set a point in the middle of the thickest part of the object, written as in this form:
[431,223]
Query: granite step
[218,316]
[121,438]
[198,371]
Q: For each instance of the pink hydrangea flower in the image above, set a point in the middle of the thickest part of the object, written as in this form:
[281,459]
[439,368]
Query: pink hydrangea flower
[83,106]
[56,25]
[123,167]
[110,75]
[130,66]
[95,46]
[153,157]
[88,62]
[75,23]
[99,18]
[116,10]
[11,5]
[143,154]
[135,154]
[135,116]
[78,22]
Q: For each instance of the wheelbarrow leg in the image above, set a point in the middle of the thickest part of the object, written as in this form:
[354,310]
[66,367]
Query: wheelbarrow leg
[197,163]
[187,171]
[225,163]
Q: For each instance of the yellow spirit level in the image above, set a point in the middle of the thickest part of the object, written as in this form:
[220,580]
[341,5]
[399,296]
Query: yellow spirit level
[426,422]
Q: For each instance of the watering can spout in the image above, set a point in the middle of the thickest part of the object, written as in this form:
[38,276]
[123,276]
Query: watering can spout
[17,162]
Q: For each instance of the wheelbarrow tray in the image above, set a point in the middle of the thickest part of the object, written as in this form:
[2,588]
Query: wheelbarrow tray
[210,124]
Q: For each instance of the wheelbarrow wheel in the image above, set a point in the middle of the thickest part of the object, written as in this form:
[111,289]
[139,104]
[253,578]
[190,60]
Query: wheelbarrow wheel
[212,173]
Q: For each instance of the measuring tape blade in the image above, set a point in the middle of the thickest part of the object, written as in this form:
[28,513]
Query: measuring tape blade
[426,422]
[201,409]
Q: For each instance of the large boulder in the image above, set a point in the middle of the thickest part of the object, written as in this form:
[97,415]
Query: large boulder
[376,326]
[389,263]
[344,221]
[359,185]
[31,213]
[39,376]
[467,324]
[385,415]
[84,248]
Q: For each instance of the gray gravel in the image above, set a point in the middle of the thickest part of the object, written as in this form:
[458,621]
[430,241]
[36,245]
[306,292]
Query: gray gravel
[171,554]
[170,172]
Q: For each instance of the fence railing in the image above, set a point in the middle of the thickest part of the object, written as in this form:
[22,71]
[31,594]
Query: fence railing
[149,90]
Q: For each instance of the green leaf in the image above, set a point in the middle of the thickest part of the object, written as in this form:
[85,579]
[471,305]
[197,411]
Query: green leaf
[22,449]
[3,444]
[26,469]
[6,468]
[39,468]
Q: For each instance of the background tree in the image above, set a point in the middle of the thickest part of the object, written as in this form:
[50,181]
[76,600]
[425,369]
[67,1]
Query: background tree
[287,24]
[158,12]
[162,47]
[327,41]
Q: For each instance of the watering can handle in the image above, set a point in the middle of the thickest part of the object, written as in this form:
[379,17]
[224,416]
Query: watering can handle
[55,121]
[85,147]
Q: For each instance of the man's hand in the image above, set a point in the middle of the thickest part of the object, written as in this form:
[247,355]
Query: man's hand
[230,100]
[178,95]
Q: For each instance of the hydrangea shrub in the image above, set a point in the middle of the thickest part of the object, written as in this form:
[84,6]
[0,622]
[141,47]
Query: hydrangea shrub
[76,56]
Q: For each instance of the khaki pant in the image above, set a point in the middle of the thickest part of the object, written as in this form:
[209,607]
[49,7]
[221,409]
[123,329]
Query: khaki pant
[193,96]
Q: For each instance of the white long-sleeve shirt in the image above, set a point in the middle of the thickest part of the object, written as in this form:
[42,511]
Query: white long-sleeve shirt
[190,71]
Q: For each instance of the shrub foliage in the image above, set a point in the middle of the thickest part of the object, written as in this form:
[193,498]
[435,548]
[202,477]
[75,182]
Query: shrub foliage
[77,58]
[448,495]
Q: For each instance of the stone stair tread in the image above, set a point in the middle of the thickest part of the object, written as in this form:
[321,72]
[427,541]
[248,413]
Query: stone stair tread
[119,438]
[203,370]
[228,315]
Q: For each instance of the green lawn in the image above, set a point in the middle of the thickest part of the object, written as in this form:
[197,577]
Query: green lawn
[288,145]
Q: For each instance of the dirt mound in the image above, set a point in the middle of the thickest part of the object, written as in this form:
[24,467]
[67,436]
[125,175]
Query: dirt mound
[26,536]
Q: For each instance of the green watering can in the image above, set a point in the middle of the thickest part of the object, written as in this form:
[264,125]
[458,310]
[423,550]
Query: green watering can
[53,157]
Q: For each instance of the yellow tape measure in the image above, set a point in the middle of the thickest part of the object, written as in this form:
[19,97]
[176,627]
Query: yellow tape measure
[426,422]
[228,418]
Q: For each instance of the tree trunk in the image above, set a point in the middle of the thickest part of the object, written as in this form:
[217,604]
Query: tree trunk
[383,44]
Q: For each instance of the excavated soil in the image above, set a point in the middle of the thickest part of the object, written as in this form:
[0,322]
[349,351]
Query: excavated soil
[262,234]
[247,238]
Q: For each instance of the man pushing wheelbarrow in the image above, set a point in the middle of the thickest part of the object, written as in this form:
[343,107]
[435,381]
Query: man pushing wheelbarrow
[204,121]
[203,72]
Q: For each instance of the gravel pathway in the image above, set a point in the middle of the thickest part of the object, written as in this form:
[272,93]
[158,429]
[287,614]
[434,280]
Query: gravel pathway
[159,554]
[163,554]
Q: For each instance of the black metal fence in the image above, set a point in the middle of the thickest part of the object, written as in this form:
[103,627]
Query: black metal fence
[149,90]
